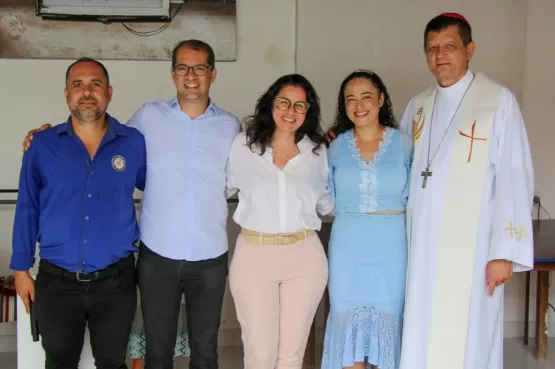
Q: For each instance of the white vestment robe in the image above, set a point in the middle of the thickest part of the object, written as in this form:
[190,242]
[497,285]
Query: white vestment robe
[504,229]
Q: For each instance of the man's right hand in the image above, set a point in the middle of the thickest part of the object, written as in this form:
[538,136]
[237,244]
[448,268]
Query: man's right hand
[25,287]
[330,136]
[29,137]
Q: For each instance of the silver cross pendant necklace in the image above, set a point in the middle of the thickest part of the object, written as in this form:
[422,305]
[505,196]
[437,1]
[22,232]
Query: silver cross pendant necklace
[426,173]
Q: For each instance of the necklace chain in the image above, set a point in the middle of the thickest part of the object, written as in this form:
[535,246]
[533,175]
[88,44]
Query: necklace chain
[429,162]
[276,153]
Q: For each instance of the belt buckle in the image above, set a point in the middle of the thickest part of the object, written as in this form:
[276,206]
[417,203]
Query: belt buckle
[82,280]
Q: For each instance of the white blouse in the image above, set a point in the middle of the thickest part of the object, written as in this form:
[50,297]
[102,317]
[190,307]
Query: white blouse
[274,200]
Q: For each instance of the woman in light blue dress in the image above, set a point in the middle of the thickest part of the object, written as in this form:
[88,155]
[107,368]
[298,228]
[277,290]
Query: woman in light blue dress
[370,161]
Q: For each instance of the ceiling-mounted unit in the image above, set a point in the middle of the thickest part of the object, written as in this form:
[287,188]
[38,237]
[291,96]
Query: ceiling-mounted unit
[104,10]
[204,1]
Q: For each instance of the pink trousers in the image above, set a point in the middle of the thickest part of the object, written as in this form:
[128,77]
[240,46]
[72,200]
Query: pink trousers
[276,290]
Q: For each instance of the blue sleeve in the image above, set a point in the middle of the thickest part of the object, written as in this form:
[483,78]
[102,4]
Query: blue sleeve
[408,149]
[238,127]
[137,120]
[141,174]
[27,213]
[332,158]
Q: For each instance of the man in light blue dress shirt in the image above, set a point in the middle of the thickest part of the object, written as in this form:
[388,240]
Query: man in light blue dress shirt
[184,246]
[184,211]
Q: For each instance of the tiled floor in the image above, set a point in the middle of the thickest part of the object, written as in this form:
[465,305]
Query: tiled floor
[517,356]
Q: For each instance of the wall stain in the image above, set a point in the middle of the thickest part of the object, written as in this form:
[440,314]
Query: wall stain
[23,35]
[274,54]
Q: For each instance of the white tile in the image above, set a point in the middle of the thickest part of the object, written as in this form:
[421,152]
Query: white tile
[518,356]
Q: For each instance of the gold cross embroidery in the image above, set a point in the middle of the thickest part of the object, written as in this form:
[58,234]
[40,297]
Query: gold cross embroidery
[513,231]
[510,228]
[520,234]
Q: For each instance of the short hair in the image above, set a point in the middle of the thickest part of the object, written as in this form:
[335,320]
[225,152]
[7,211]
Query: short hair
[442,22]
[197,45]
[89,60]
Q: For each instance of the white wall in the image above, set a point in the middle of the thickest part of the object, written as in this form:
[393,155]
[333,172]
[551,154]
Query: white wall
[324,40]
[31,93]
[539,112]
[539,96]
[387,37]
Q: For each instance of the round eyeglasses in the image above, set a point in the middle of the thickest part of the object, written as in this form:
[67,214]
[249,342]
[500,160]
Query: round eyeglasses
[284,104]
[198,70]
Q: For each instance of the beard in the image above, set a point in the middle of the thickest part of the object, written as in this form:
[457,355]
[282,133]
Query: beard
[87,114]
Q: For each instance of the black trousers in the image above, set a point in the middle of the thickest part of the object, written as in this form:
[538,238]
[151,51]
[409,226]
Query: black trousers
[162,282]
[64,306]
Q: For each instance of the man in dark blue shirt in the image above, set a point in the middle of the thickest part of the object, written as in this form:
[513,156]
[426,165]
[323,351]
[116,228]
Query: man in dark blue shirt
[76,200]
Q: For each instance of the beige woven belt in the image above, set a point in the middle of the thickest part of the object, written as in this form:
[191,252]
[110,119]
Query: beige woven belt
[275,239]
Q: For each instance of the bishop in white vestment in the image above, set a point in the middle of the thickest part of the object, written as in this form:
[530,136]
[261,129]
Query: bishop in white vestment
[470,204]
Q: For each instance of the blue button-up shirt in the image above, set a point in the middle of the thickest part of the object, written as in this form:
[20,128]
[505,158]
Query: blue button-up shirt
[184,208]
[79,210]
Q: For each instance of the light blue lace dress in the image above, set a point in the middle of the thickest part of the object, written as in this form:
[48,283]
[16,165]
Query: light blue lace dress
[367,252]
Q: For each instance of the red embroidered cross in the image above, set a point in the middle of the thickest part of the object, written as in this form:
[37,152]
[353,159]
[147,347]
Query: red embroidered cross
[472,138]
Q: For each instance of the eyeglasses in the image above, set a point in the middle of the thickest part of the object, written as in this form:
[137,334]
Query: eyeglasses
[199,70]
[284,104]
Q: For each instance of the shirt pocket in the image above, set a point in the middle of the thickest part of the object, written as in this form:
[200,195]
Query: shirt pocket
[114,183]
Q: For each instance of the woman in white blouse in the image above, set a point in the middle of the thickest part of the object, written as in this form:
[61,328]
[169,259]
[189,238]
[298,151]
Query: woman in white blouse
[279,269]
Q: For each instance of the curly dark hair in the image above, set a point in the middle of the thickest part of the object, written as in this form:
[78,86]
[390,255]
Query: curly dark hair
[260,126]
[386,118]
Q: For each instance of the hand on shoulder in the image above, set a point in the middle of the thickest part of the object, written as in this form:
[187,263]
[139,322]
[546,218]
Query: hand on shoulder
[30,134]
[330,136]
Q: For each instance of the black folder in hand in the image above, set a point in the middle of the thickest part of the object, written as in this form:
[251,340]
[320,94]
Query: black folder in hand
[34,324]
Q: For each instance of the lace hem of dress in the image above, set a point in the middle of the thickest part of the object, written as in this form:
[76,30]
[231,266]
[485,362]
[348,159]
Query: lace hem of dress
[362,333]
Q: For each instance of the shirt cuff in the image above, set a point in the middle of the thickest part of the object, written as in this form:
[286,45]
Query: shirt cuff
[22,262]
[506,252]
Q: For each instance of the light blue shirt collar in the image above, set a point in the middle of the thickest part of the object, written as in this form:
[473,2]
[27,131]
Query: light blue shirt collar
[211,110]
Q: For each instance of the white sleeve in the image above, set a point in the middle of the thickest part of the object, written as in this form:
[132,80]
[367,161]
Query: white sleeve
[326,204]
[513,191]
[405,124]
[230,189]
